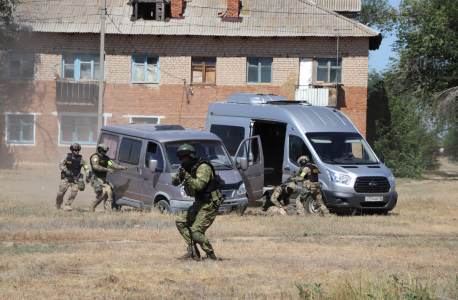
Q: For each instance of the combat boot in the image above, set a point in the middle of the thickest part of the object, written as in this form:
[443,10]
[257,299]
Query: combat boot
[58,206]
[68,208]
[211,256]
[92,209]
[190,254]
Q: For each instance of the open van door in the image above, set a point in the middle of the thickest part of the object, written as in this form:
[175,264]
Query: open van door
[249,162]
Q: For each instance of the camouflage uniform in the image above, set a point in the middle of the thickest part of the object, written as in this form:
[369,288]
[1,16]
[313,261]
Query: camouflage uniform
[102,188]
[69,178]
[194,222]
[279,193]
[312,189]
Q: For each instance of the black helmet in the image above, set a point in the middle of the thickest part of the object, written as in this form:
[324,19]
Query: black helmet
[75,147]
[186,150]
[102,149]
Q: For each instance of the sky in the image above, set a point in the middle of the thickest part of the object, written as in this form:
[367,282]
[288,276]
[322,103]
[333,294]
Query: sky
[379,59]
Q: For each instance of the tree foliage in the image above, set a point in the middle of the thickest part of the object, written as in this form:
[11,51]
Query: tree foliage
[428,58]
[7,25]
[450,142]
[379,14]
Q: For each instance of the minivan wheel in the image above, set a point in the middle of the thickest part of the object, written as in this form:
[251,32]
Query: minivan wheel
[311,207]
[163,207]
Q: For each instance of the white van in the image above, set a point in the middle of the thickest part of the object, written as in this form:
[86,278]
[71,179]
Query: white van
[352,176]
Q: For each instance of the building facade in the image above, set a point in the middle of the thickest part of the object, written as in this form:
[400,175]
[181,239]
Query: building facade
[170,73]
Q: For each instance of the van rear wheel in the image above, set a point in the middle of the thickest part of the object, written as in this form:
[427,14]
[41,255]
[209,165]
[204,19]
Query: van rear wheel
[163,207]
[311,207]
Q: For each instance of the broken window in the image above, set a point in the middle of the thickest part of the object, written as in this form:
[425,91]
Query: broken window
[81,130]
[145,69]
[203,69]
[81,66]
[20,128]
[155,10]
[328,70]
[259,70]
[21,65]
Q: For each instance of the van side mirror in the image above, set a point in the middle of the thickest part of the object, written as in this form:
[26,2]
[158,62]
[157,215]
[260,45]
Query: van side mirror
[153,165]
[382,159]
[243,163]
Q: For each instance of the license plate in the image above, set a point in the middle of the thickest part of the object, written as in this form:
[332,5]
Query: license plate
[224,210]
[373,199]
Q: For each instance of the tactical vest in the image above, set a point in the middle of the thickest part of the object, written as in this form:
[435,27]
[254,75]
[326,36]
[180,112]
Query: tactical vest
[268,194]
[314,171]
[73,164]
[103,162]
[215,183]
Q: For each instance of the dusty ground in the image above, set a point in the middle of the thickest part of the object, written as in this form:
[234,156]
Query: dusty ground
[51,254]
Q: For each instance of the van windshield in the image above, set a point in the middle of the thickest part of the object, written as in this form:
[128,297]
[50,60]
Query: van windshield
[213,151]
[342,148]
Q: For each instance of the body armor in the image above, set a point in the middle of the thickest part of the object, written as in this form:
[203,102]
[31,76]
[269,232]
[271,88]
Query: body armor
[103,162]
[314,171]
[73,164]
[216,183]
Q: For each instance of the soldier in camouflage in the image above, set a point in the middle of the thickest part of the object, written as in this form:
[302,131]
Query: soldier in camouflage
[271,200]
[308,174]
[201,182]
[100,163]
[70,168]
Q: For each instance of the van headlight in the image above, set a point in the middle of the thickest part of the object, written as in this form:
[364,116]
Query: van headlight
[339,177]
[182,192]
[241,190]
[391,180]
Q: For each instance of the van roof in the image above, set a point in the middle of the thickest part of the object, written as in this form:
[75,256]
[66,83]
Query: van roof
[303,115]
[160,133]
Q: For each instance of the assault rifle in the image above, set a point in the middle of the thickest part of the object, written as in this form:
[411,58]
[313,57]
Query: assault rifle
[290,178]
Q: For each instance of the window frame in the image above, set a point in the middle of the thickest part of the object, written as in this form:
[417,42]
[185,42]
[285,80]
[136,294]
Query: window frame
[309,154]
[77,66]
[21,65]
[130,151]
[9,142]
[329,68]
[145,64]
[71,114]
[159,146]
[259,69]
[204,71]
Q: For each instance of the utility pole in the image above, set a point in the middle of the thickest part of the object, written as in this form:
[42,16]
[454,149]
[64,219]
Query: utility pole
[103,11]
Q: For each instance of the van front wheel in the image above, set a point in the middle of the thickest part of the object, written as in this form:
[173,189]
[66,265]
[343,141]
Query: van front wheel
[163,207]
[311,207]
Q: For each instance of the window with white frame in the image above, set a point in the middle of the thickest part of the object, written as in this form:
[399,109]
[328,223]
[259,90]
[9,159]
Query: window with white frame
[144,120]
[20,128]
[145,69]
[81,66]
[21,65]
[259,69]
[328,70]
[81,130]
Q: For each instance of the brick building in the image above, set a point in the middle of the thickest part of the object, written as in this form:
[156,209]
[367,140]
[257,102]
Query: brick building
[166,61]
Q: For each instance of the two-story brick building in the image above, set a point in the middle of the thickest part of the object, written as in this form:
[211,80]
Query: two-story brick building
[167,60]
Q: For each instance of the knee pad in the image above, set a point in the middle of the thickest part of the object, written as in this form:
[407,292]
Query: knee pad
[198,237]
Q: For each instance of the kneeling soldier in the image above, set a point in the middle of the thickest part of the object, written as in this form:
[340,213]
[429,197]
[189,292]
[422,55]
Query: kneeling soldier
[70,168]
[310,187]
[100,163]
[271,201]
[200,181]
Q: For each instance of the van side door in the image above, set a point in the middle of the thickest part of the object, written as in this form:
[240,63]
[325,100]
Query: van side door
[112,141]
[128,181]
[152,183]
[296,148]
[253,177]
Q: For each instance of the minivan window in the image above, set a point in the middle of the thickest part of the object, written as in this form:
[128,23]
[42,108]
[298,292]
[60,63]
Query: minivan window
[153,151]
[129,152]
[212,150]
[249,150]
[112,142]
[297,148]
[231,136]
[341,148]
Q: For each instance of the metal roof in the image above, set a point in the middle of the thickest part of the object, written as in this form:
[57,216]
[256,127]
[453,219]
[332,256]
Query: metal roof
[340,5]
[261,18]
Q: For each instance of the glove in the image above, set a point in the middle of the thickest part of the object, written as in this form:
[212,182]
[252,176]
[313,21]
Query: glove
[68,173]
[125,168]
[110,171]
[286,207]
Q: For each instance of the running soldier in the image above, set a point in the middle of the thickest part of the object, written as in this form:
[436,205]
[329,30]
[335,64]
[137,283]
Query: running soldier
[100,163]
[271,200]
[310,186]
[70,168]
[201,182]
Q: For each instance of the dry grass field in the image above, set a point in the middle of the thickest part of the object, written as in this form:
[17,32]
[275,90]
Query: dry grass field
[411,253]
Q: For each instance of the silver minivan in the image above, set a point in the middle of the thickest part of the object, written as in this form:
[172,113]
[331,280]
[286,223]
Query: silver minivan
[149,152]
[352,176]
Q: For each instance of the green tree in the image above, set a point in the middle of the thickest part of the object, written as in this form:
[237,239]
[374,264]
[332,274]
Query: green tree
[379,14]
[450,142]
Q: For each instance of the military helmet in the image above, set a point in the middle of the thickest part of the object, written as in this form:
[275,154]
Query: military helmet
[290,188]
[75,147]
[303,160]
[186,150]
[102,148]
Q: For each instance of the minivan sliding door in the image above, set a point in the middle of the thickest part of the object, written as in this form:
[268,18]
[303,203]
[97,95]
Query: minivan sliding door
[152,183]
[128,181]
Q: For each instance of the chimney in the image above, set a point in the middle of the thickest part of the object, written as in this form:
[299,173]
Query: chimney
[233,8]
[176,8]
